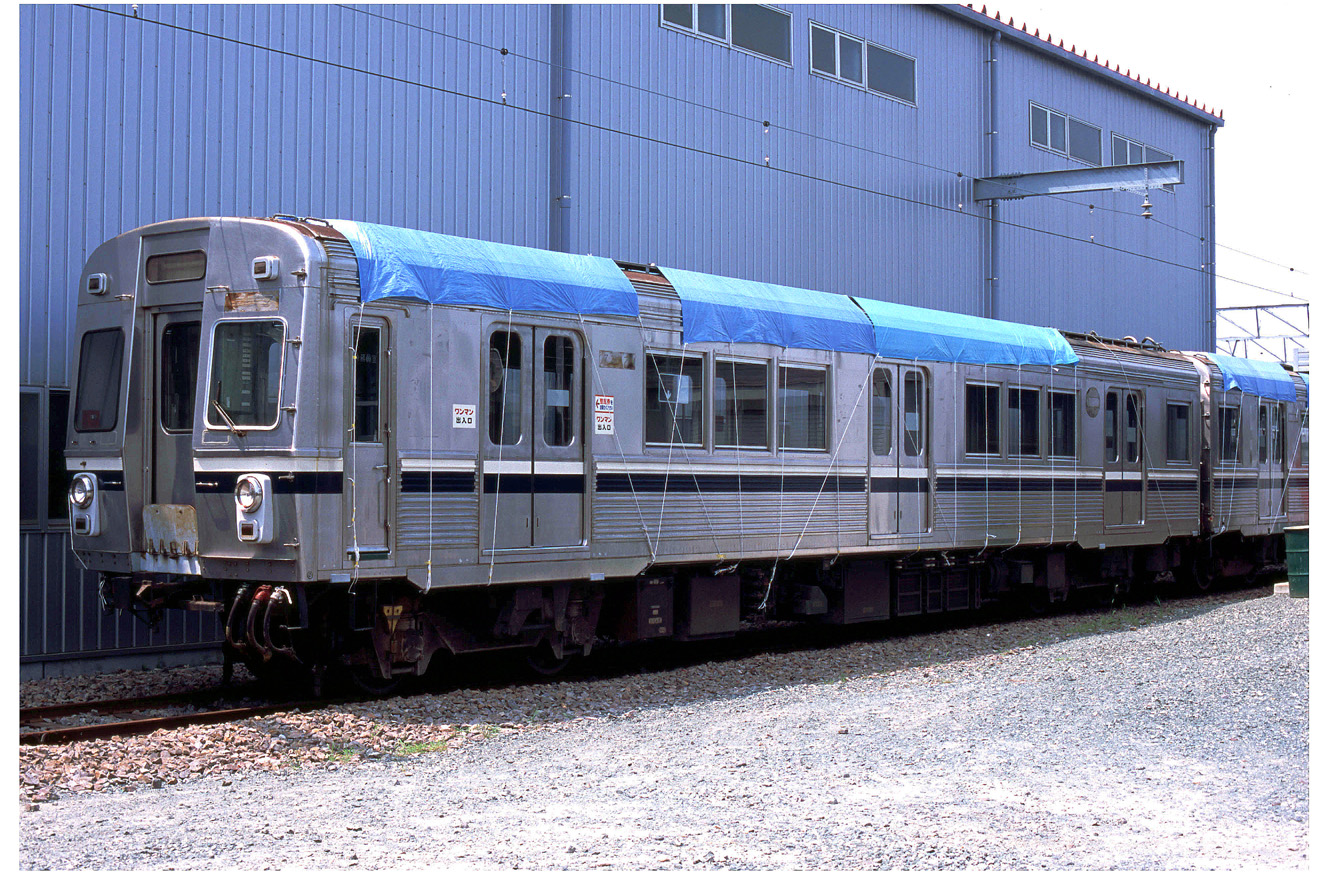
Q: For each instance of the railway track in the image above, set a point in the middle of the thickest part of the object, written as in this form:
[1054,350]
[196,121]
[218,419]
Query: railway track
[193,709]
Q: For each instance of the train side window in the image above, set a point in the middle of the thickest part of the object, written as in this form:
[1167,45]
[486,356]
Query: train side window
[1177,432]
[802,403]
[740,404]
[180,347]
[1278,431]
[982,419]
[1264,434]
[881,401]
[1131,428]
[100,365]
[1229,434]
[366,426]
[505,388]
[913,406]
[1110,412]
[1063,423]
[674,400]
[1022,422]
[559,371]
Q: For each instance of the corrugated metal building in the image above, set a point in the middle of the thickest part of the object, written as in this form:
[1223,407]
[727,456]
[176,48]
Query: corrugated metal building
[831,147]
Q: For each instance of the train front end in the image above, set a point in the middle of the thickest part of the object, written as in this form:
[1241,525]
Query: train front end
[185,450]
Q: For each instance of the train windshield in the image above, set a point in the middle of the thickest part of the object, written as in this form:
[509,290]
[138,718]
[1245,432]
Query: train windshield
[99,369]
[245,370]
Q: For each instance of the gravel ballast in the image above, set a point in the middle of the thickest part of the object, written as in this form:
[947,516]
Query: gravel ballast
[1168,736]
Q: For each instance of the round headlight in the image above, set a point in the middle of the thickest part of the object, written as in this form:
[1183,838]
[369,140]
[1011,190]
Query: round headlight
[82,490]
[248,493]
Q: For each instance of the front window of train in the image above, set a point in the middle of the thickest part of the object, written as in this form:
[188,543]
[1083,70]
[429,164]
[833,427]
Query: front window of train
[245,374]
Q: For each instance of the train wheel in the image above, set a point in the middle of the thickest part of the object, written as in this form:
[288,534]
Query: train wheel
[542,661]
[367,682]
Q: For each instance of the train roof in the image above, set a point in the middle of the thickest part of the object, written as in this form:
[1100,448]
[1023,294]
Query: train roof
[442,269]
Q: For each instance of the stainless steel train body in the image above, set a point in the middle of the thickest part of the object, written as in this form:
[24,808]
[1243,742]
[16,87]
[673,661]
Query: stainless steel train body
[375,483]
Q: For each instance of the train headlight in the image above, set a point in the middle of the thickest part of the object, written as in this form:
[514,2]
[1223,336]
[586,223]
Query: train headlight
[82,491]
[248,493]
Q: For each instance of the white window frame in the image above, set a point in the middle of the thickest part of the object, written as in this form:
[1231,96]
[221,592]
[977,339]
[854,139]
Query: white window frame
[1065,149]
[1130,141]
[865,45]
[1068,152]
[727,19]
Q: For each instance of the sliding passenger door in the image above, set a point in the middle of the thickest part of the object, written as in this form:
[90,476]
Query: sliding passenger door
[1122,457]
[898,451]
[1271,459]
[368,464]
[533,466]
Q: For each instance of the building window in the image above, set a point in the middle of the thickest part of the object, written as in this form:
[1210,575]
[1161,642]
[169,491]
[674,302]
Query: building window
[982,419]
[1127,151]
[1177,432]
[1063,423]
[1058,132]
[674,400]
[802,418]
[866,65]
[762,30]
[740,405]
[1022,422]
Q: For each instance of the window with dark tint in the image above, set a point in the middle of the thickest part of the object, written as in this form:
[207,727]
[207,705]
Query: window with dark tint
[1151,154]
[1132,441]
[912,398]
[29,456]
[57,473]
[1177,432]
[505,388]
[100,365]
[245,373]
[1063,423]
[762,30]
[1278,433]
[1047,128]
[1264,436]
[851,55]
[180,346]
[1085,142]
[174,267]
[802,395]
[891,73]
[1229,434]
[740,405]
[1125,151]
[1022,422]
[366,395]
[1110,416]
[680,14]
[982,419]
[882,413]
[711,19]
[823,50]
[559,368]
[674,400]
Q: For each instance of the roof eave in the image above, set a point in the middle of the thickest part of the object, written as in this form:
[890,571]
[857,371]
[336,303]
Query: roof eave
[1085,65]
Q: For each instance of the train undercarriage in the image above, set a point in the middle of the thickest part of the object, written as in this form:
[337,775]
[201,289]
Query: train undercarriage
[380,632]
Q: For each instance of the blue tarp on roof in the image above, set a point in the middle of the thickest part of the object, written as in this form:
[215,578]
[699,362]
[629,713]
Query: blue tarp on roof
[724,309]
[905,332]
[1265,379]
[399,262]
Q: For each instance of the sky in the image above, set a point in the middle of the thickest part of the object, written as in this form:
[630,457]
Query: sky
[1254,62]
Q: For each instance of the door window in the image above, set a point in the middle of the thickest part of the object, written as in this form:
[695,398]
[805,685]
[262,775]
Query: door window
[913,405]
[559,367]
[1131,428]
[366,356]
[180,345]
[882,413]
[505,388]
[1109,427]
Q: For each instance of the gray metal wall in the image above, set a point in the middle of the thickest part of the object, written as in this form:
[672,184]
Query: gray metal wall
[413,116]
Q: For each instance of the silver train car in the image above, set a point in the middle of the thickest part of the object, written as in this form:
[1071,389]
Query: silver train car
[366,446]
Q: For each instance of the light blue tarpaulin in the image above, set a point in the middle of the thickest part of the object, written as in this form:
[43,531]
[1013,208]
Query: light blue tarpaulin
[399,262]
[1265,379]
[723,309]
[904,332]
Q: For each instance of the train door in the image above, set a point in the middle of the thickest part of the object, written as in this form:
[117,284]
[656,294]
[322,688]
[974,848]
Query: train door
[1271,459]
[1123,458]
[368,463]
[533,484]
[173,357]
[912,458]
[884,474]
